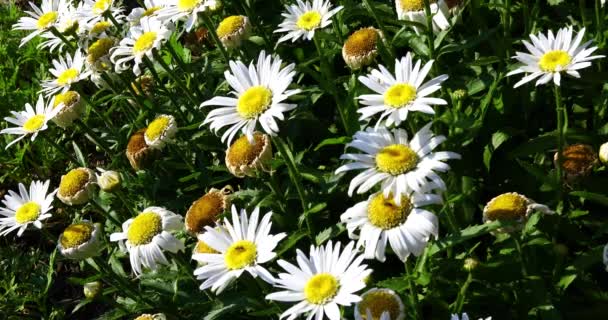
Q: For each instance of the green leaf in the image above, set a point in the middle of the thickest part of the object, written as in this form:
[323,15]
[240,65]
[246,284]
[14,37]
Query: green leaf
[79,156]
[291,241]
[595,197]
[466,234]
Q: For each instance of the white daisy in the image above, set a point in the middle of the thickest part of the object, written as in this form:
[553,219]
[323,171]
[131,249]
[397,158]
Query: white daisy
[176,10]
[160,131]
[66,72]
[260,91]
[406,227]
[92,11]
[512,206]
[147,235]
[80,240]
[380,304]
[67,24]
[41,19]
[553,54]
[303,18]
[140,42]
[243,245]
[414,10]
[465,316]
[401,165]
[321,282]
[151,8]
[605,256]
[31,121]
[25,208]
[397,95]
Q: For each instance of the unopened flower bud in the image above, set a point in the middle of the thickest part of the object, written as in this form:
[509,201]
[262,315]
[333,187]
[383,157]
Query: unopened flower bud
[604,153]
[108,180]
[470,264]
[92,289]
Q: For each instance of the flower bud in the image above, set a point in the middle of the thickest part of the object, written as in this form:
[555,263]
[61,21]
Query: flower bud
[604,153]
[470,264]
[108,180]
[92,289]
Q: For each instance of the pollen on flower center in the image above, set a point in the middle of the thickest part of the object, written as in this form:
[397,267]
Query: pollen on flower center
[144,227]
[230,25]
[508,206]
[204,212]
[399,95]
[28,212]
[73,182]
[76,234]
[320,288]
[385,213]
[150,11]
[378,302]
[157,128]
[101,26]
[46,19]
[396,159]
[68,76]
[413,5]
[68,98]
[187,5]
[202,247]
[240,254]
[242,153]
[34,123]
[101,6]
[144,42]
[554,60]
[361,42]
[254,101]
[309,20]
[99,49]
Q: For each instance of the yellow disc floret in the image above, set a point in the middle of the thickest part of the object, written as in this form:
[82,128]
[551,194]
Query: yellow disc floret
[73,182]
[47,19]
[396,159]
[76,234]
[230,25]
[378,302]
[399,95]
[384,213]
[68,98]
[240,254]
[101,26]
[361,42]
[555,60]
[309,20]
[145,42]
[204,212]
[101,6]
[242,153]
[144,227]
[202,247]
[150,11]
[254,101]
[157,127]
[187,5]
[320,288]
[68,76]
[507,206]
[28,212]
[145,317]
[99,49]
[34,123]
[413,5]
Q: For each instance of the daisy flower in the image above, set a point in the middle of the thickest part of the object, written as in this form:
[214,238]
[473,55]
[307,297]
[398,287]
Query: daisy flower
[108,180]
[206,210]
[512,206]
[380,304]
[401,165]
[67,24]
[303,18]
[405,226]
[92,11]
[395,96]
[31,121]
[176,10]
[605,256]
[150,9]
[361,47]
[80,240]
[551,55]
[160,131]
[243,244]
[66,72]
[413,10]
[147,235]
[248,159]
[41,19]
[260,90]
[321,282]
[465,316]
[25,208]
[140,42]
[77,186]
[233,30]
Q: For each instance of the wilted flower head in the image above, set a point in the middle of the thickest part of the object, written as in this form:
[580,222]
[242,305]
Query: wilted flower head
[577,160]
[77,186]
[244,158]
[361,47]
[206,210]
[232,30]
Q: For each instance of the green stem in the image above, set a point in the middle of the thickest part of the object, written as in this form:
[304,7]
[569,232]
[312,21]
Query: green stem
[560,111]
[582,6]
[109,15]
[120,195]
[63,38]
[182,65]
[59,148]
[156,77]
[522,260]
[371,10]
[104,212]
[255,22]
[209,25]
[412,288]
[429,27]
[177,80]
[462,294]
[599,21]
[91,134]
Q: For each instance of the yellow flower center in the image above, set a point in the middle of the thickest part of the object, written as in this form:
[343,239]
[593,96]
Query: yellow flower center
[101,6]
[144,227]
[99,49]
[554,60]
[240,254]
[101,26]
[309,20]
[242,153]
[73,182]
[385,213]
[204,212]
[254,101]
[76,234]
[229,26]
[413,5]
[507,206]
[157,127]
[187,5]
[46,19]
[150,11]
[399,95]
[361,42]
[145,317]
[68,98]
[202,247]
[28,212]
[378,302]
[68,76]
[396,159]
[144,42]
[320,288]
[34,123]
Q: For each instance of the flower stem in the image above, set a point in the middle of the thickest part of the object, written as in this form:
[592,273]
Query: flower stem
[429,27]
[412,288]
[150,66]
[524,270]
[63,38]
[91,134]
[560,111]
[59,148]
[209,25]
[462,294]
[182,65]
[104,212]
[371,10]
[179,81]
